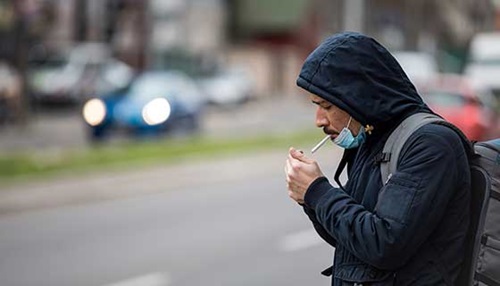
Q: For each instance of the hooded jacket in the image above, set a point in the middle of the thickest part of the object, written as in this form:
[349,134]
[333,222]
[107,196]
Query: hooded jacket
[411,230]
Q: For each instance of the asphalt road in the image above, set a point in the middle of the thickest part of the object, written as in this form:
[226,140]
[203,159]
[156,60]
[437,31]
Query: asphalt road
[227,222]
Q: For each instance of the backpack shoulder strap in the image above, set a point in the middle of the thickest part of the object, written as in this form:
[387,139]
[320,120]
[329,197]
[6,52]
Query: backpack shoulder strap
[398,137]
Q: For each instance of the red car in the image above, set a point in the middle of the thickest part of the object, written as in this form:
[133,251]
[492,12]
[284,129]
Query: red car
[470,108]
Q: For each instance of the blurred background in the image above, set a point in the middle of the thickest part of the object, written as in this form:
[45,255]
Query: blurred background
[142,142]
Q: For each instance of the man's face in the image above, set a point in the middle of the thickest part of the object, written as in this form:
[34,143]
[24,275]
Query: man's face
[331,118]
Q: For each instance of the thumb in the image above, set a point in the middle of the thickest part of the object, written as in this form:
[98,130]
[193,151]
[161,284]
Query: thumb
[299,155]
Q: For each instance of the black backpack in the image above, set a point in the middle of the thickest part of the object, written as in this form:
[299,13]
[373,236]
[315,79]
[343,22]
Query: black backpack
[482,260]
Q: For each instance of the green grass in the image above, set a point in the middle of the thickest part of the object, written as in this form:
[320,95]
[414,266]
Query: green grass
[167,151]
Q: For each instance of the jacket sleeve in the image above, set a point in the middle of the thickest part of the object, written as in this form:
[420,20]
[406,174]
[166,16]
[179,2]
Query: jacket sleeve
[318,227]
[409,206]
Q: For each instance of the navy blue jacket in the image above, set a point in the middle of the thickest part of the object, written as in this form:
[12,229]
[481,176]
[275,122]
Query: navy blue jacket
[412,230]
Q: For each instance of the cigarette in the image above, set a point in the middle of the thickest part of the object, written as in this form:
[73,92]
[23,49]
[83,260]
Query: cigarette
[321,143]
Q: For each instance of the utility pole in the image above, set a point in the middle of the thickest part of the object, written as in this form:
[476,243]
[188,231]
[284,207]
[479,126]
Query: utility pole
[413,12]
[496,5]
[20,58]
[80,16]
[354,15]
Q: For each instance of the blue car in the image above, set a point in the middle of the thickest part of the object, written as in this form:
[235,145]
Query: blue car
[154,103]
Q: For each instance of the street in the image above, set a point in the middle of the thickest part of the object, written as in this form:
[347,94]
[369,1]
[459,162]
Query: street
[235,228]
[88,199]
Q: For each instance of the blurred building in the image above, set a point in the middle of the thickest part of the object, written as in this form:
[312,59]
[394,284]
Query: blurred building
[268,37]
[22,24]
[443,28]
[280,33]
[186,34]
[120,23]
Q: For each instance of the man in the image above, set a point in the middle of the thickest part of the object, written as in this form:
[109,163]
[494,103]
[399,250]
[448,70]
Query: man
[411,230]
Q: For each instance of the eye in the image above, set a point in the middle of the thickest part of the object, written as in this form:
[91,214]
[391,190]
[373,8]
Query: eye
[326,107]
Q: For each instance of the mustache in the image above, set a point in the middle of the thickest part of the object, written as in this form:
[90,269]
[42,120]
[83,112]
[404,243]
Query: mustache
[326,130]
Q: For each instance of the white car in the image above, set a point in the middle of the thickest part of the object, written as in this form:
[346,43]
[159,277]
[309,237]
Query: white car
[86,70]
[228,87]
[483,65]
[418,66]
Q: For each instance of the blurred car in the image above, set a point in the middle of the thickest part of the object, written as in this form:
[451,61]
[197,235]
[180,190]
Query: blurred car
[464,104]
[483,64]
[155,102]
[418,66]
[72,77]
[229,86]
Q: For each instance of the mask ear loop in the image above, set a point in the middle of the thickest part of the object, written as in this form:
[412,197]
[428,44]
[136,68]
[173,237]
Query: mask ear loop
[360,127]
[349,123]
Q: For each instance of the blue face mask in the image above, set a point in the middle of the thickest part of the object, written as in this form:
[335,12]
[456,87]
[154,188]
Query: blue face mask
[346,140]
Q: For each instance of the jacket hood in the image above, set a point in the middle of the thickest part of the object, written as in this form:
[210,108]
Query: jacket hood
[357,74]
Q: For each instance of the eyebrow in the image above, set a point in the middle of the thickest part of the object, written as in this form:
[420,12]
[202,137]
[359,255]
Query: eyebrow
[320,102]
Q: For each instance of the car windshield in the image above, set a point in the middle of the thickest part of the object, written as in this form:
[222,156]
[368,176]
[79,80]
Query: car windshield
[50,62]
[444,99]
[147,87]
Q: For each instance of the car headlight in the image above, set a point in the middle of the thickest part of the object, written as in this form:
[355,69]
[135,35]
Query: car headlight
[94,112]
[156,111]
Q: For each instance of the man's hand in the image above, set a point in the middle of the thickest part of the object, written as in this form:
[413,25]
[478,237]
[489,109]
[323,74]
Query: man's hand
[300,173]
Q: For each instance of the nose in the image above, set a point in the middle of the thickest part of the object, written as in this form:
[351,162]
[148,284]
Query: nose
[321,119]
